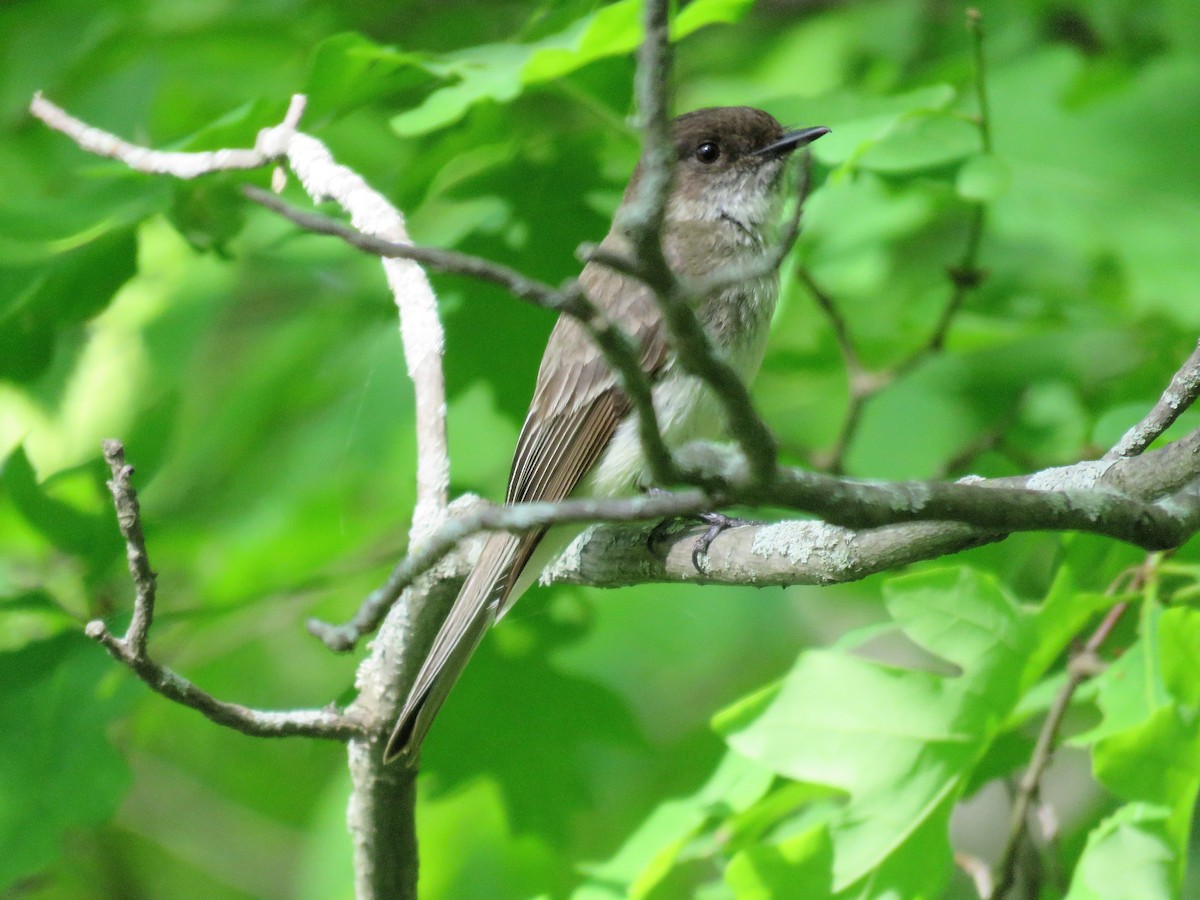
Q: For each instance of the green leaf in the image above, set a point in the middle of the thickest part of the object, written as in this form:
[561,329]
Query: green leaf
[77,286]
[56,705]
[1059,618]
[209,214]
[1130,691]
[1121,696]
[611,30]
[94,538]
[900,742]
[651,851]
[1179,644]
[1157,761]
[699,13]
[963,616]
[921,141]
[348,70]
[982,178]
[1147,748]
[500,72]
[891,130]
[1127,857]
[1121,158]
[467,845]
[798,866]
[491,72]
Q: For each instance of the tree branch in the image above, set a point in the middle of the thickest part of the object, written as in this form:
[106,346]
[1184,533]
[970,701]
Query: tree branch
[616,346]
[965,277]
[799,552]
[130,649]
[420,326]
[1083,665]
[156,162]
[1151,501]
[1180,394]
[381,806]
[516,517]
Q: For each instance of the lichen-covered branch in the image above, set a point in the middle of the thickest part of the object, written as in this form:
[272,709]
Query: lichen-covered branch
[807,552]
[1152,501]
[185,165]
[1180,394]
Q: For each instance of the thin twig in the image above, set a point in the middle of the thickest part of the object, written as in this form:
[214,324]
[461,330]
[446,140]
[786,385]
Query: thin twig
[1083,665]
[975,27]
[988,440]
[865,384]
[616,346]
[130,649]
[965,277]
[129,519]
[514,517]
[841,330]
[642,219]
[516,283]
[833,461]
[862,384]
[1180,394]
[977,870]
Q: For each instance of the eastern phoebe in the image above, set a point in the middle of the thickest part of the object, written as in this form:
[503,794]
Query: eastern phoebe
[580,435]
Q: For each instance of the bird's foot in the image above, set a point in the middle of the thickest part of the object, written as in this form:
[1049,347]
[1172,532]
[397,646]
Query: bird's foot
[716,522]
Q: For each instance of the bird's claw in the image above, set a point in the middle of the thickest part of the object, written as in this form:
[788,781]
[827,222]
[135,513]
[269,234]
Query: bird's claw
[717,522]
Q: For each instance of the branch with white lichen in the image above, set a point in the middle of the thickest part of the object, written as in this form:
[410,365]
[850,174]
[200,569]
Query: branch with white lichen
[1152,501]
[1180,394]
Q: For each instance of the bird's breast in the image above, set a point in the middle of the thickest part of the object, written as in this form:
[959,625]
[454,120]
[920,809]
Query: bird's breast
[737,322]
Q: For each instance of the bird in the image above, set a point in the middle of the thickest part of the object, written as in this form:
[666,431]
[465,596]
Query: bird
[580,435]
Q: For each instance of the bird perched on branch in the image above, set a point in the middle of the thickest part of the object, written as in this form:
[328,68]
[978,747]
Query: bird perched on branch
[580,435]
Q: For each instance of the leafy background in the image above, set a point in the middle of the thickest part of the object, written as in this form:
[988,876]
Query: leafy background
[656,741]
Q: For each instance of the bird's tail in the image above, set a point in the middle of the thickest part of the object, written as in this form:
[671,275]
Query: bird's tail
[475,609]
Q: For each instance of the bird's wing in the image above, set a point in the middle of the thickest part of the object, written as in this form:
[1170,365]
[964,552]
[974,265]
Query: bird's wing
[576,408]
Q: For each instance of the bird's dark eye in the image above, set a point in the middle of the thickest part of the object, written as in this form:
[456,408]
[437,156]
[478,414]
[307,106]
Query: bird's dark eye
[708,152]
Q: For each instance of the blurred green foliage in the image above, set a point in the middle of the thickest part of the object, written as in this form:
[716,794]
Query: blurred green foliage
[256,377]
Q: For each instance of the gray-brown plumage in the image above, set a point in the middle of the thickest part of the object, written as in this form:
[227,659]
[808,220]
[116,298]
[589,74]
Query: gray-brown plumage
[579,435]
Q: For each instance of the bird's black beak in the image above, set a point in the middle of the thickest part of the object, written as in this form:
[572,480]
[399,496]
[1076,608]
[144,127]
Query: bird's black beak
[794,140]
